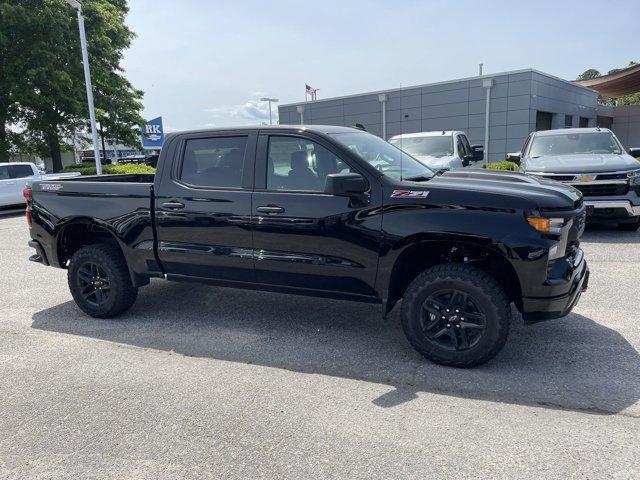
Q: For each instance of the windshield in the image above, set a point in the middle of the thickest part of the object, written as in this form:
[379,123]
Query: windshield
[390,160]
[572,143]
[432,146]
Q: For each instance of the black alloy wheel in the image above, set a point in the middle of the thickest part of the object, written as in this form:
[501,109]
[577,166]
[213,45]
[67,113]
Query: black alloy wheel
[94,283]
[452,319]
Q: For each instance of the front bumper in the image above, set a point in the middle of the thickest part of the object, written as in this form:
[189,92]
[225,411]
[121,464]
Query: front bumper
[539,308]
[611,209]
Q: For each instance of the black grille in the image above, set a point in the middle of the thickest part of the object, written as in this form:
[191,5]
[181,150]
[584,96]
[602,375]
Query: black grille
[560,178]
[612,176]
[601,190]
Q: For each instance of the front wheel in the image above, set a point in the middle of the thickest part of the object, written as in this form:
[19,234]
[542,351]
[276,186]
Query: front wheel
[99,281]
[456,315]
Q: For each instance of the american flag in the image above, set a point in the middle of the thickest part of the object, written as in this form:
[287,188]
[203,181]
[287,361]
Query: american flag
[310,90]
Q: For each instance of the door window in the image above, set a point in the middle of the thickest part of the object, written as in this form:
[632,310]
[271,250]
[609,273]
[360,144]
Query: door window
[465,143]
[462,151]
[5,173]
[22,171]
[299,164]
[214,162]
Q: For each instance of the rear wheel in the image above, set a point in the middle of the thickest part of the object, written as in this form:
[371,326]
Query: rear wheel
[456,315]
[99,281]
[630,227]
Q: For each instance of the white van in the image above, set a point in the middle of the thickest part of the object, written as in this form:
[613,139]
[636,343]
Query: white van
[442,150]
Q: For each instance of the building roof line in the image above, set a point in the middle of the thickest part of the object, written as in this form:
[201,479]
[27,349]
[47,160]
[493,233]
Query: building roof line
[444,82]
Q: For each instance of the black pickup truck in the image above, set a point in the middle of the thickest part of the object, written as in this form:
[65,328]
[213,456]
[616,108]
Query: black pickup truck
[325,211]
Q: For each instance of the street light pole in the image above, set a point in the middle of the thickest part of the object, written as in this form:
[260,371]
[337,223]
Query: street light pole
[87,80]
[274,100]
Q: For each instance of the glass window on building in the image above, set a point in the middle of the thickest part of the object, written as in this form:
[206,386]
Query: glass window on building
[543,120]
[584,122]
[568,121]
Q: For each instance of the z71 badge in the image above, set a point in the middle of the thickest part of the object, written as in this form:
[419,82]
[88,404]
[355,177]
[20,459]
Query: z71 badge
[410,193]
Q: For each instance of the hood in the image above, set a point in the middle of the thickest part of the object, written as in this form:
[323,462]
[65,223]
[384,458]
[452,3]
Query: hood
[436,163]
[581,163]
[501,190]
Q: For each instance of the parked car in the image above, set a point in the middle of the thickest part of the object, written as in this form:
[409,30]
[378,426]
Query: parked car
[592,160]
[441,150]
[15,176]
[323,211]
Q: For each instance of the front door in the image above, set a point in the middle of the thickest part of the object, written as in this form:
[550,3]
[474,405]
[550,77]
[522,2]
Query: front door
[304,238]
[203,207]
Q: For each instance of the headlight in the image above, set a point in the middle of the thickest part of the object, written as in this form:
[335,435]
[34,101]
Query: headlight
[553,226]
[634,177]
[547,225]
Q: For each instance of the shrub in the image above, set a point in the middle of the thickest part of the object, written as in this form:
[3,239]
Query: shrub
[90,169]
[504,165]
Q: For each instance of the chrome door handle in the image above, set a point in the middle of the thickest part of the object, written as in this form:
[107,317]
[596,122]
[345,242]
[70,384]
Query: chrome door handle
[173,205]
[270,209]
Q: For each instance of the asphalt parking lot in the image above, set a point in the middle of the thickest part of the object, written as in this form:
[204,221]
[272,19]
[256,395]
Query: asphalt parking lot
[198,381]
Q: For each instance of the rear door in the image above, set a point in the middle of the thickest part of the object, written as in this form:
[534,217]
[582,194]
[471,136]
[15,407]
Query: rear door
[8,186]
[304,238]
[203,206]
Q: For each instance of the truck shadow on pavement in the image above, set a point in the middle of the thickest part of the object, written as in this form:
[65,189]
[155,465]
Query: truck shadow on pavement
[572,363]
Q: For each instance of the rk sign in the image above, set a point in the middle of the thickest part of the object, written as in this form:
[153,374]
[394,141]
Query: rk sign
[152,135]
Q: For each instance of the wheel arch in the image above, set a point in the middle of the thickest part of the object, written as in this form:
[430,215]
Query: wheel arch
[81,232]
[424,254]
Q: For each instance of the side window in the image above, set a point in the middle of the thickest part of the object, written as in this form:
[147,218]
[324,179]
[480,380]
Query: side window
[22,171]
[298,164]
[462,152]
[465,142]
[214,162]
[5,174]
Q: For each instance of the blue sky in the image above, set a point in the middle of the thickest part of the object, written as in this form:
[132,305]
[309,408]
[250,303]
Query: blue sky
[205,63]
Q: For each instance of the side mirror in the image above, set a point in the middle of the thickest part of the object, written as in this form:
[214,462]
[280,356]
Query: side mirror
[478,153]
[345,185]
[514,157]
[635,152]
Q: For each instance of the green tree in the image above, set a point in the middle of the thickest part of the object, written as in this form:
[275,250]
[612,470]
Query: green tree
[48,91]
[589,74]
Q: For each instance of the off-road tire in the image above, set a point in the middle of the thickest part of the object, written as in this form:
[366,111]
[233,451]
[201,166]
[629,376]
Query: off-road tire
[482,288]
[121,292]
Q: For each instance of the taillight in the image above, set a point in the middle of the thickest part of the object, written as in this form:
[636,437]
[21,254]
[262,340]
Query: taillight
[26,193]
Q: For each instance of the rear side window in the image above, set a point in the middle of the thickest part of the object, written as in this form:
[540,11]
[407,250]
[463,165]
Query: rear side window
[214,162]
[5,174]
[22,171]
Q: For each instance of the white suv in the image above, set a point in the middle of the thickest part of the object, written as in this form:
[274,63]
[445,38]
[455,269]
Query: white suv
[441,150]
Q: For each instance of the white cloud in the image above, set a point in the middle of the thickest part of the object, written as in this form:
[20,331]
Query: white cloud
[252,112]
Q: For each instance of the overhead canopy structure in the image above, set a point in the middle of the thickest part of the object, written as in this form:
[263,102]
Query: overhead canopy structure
[617,84]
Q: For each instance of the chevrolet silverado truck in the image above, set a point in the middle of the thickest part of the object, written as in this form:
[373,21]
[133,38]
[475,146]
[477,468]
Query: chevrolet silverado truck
[324,211]
[441,150]
[16,175]
[593,161]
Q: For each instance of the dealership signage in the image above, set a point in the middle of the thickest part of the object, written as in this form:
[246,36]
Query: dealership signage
[152,134]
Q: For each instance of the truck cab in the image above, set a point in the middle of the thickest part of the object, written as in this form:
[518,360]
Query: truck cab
[441,150]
